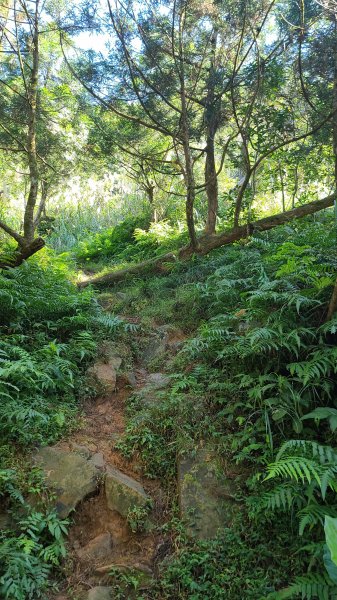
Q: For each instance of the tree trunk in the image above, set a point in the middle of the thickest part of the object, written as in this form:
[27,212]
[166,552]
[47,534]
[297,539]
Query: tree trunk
[282,187]
[28,223]
[334,102]
[295,187]
[21,254]
[27,244]
[208,243]
[333,304]
[41,211]
[239,198]
[243,231]
[211,182]
[211,117]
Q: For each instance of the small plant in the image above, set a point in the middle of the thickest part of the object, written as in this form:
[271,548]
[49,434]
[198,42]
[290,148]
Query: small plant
[138,518]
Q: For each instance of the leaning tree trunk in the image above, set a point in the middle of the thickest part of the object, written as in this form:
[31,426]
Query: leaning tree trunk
[208,243]
[41,211]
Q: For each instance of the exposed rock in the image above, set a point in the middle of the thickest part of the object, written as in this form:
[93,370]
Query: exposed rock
[98,549]
[155,348]
[81,450]
[105,373]
[71,476]
[131,379]
[122,492]
[98,461]
[207,501]
[100,593]
[158,381]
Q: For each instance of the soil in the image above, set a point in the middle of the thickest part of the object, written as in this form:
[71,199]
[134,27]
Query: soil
[103,424]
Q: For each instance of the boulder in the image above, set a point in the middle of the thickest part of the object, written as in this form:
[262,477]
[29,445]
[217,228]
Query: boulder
[81,450]
[131,379]
[207,501]
[122,492]
[156,347]
[98,549]
[150,394]
[105,373]
[100,593]
[71,476]
[158,381]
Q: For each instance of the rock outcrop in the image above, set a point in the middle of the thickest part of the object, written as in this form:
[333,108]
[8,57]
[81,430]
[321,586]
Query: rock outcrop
[70,475]
[100,593]
[207,500]
[105,373]
[96,550]
[123,493]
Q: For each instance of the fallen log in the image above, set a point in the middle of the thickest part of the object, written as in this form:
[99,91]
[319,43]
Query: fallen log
[207,243]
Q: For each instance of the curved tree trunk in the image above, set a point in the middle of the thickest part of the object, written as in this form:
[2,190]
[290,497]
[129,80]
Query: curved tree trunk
[208,243]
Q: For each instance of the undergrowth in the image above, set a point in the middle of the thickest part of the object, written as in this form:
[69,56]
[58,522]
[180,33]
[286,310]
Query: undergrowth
[48,334]
[259,380]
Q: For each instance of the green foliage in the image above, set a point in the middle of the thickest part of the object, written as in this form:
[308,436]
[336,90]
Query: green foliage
[133,240]
[238,564]
[112,242]
[260,373]
[138,518]
[330,528]
[47,339]
[30,553]
[49,332]
[33,545]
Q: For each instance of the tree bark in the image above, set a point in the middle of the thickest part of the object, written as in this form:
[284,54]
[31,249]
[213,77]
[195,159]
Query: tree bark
[27,244]
[188,168]
[41,211]
[211,117]
[21,254]
[208,243]
[332,304]
[28,223]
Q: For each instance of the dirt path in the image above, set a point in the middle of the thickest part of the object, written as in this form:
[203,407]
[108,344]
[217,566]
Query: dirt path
[103,425]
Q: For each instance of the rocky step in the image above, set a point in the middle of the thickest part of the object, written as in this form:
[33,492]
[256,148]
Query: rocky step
[75,475]
[100,593]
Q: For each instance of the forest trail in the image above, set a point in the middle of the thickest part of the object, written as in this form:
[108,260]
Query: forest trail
[133,553]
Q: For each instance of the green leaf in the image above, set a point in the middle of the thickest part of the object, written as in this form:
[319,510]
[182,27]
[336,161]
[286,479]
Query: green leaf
[330,566]
[330,528]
